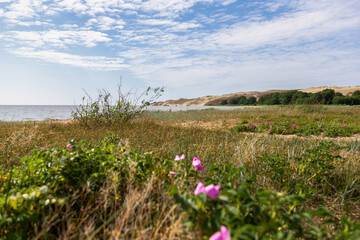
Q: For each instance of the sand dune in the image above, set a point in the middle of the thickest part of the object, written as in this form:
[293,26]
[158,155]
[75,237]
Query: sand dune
[210,100]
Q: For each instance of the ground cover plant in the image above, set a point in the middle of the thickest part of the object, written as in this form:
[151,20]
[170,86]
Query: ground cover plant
[125,181]
[303,124]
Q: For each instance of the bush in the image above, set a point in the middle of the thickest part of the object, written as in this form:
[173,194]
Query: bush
[107,111]
[224,102]
[50,181]
[234,101]
[250,101]
[262,214]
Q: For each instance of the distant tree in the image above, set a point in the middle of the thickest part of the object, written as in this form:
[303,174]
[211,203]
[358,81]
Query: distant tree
[269,99]
[224,102]
[234,101]
[338,94]
[273,99]
[300,97]
[327,96]
[339,100]
[356,93]
[316,98]
[355,100]
[250,101]
[242,100]
[286,97]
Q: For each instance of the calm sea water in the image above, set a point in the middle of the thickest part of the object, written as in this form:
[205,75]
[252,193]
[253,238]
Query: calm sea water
[42,112]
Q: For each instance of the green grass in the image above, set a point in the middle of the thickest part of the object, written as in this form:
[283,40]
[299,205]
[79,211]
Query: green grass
[110,189]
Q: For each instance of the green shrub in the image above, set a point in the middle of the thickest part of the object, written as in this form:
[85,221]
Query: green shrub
[224,102]
[54,178]
[106,110]
[263,214]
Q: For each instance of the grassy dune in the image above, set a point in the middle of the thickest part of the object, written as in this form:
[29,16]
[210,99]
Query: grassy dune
[131,198]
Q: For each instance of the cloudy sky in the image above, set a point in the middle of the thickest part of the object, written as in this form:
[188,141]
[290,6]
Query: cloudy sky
[51,50]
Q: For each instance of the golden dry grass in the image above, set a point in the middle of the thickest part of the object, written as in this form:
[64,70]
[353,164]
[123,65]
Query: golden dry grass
[204,134]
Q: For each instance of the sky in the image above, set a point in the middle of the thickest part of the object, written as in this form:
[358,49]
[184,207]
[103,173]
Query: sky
[51,51]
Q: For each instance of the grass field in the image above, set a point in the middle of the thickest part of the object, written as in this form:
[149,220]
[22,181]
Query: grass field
[115,182]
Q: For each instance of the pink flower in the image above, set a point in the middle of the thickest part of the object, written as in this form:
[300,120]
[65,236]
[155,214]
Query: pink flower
[222,235]
[293,126]
[290,115]
[267,122]
[292,129]
[43,148]
[250,126]
[197,164]
[296,123]
[344,125]
[254,125]
[68,146]
[178,158]
[270,131]
[173,173]
[210,190]
[199,188]
[284,129]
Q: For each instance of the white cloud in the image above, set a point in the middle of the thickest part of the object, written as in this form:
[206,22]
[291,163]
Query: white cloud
[105,23]
[56,38]
[227,2]
[185,26]
[286,30]
[155,22]
[174,26]
[72,6]
[70,26]
[170,8]
[91,62]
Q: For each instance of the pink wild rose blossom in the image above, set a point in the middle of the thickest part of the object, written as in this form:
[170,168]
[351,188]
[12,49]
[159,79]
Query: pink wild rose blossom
[224,234]
[197,164]
[178,158]
[200,188]
[210,190]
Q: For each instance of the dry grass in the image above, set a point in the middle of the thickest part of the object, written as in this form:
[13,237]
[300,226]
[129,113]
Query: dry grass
[146,214]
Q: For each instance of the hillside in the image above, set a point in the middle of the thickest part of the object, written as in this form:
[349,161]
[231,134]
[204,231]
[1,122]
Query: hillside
[213,100]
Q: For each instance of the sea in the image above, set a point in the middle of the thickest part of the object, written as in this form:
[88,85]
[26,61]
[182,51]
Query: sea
[60,112]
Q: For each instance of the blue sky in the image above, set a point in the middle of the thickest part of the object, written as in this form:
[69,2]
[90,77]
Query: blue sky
[51,50]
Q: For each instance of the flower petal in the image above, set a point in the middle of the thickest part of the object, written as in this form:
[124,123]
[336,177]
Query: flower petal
[225,233]
[216,236]
[199,188]
[212,191]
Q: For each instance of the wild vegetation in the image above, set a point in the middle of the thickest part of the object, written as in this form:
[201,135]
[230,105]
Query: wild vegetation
[109,110]
[325,97]
[168,175]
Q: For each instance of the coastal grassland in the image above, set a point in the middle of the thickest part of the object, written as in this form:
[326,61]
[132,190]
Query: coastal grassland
[127,198]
